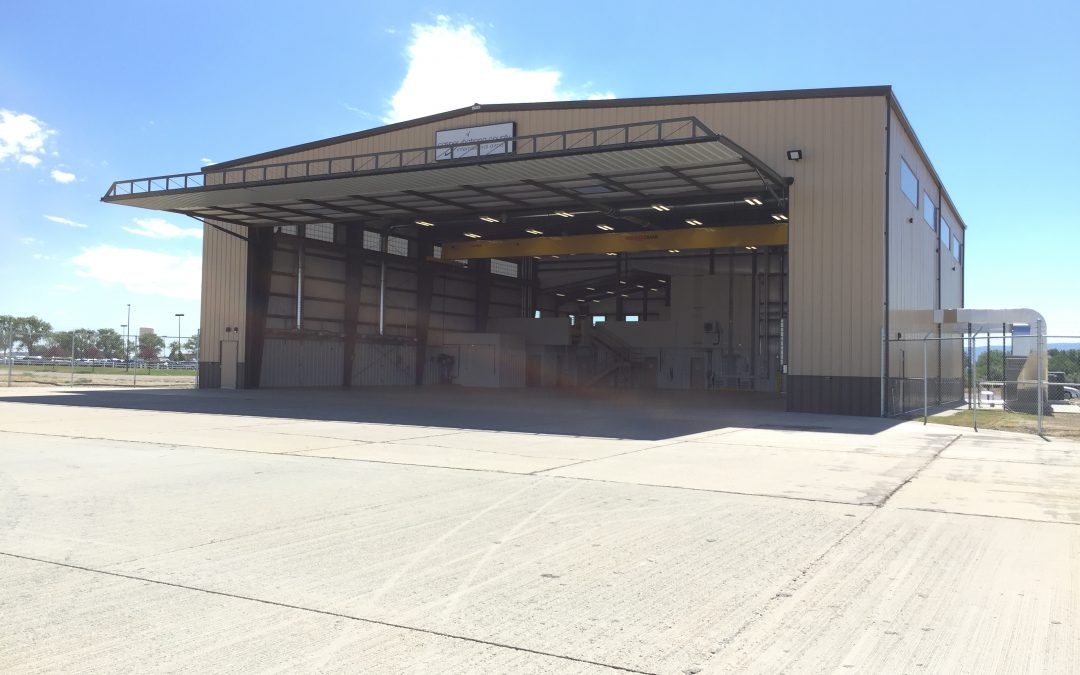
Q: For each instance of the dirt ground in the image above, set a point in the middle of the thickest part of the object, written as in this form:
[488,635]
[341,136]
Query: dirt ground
[118,379]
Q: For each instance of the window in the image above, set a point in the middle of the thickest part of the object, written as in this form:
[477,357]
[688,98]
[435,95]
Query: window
[371,241]
[397,246]
[955,249]
[946,232]
[504,267]
[928,210]
[598,319]
[536,314]
[320,232]
[909,184]
[631,317]
[286,229]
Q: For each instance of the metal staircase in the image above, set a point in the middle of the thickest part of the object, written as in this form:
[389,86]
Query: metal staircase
[619,357]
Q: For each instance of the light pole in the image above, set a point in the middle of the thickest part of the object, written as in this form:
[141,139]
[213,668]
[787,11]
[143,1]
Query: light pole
[123,327]
[127,337]
[179,354]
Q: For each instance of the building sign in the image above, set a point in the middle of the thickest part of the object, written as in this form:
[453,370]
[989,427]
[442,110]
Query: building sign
[490,139]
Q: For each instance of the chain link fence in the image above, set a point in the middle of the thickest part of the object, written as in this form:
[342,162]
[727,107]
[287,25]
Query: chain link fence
[81,358]
[1013,379]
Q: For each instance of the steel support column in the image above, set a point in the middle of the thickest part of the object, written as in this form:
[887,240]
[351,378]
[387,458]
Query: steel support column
[260,260]
[425,287]
[354,277]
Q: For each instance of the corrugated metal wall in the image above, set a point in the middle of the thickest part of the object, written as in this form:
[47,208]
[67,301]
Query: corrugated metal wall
[224,299]
[302,363]
[384,364]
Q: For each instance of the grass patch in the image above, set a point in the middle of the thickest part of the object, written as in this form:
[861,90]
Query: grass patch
[1062,424]
[97,370]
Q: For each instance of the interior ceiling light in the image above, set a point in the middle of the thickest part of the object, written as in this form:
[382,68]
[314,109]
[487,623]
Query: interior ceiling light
[753,201]
[564,214]
[611,292]
[640,286]
[625,295]
[472,235]
[693,221]
[425,223]
[534,231]
[779,217]
[589,288]
[622,282]
[654,290]
[581,299]
[612,254]
[794,155]
[606,228]
[555,256]
[751,248]
[596,301]
[489,219]
[661,207]
[663,281]
[561,295]
[673,250]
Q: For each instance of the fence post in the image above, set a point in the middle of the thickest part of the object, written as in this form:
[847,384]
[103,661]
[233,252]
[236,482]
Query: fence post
[1039,376]
[974,388]
[72,358]
[10,346]
[884,350]
[925,378]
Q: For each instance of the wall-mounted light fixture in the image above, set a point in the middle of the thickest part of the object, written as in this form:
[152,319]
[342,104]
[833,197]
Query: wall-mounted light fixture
[794,155]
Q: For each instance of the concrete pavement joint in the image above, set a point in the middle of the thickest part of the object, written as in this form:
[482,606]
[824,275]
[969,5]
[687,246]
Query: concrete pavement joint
[916,472]
[987,515]
[324,612]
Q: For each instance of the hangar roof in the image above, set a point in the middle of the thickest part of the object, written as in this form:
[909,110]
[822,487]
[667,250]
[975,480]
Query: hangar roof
[610,172]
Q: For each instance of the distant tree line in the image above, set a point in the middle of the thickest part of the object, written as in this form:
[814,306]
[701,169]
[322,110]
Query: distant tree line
[991,364]
[36,337]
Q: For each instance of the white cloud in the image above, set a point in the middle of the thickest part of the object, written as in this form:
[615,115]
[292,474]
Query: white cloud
[142,271]
[62,176]
[29,241]
[159,228]
[206,160]
[22,137]
[65,221]
[42,256]
[450,67]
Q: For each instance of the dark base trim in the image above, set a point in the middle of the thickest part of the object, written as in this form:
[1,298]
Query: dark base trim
[834,395]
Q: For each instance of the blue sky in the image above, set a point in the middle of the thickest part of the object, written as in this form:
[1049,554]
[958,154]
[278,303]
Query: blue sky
[93,92]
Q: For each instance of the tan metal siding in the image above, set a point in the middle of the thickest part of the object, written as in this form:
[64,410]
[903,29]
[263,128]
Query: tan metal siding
[224,290]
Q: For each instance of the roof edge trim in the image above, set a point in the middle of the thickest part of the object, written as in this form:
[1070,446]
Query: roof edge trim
[776,95]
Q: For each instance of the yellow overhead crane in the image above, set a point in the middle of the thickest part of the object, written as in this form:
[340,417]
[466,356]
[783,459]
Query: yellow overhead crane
[620,242]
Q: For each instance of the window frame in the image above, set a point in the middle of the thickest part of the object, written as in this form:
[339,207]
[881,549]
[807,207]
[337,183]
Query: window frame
[904,165]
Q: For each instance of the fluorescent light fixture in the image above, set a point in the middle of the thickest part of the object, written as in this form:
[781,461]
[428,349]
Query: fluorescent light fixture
[589,288]
[625,295]
[555,256]
[611,292]
[472,235]
[673,250]
[663,281]
[561,295]
[751,248]
[693,221]
[794,155]
[489,219]
[622,282]
[640,286]
[655,290]
[534,231]
[581,299]
[425,223]
[661,207]
[596,301]
[613,254]
[753,201]
[606,228]
[779,217]
[564,214]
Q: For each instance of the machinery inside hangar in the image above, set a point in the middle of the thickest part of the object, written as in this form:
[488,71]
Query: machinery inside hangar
[651,254]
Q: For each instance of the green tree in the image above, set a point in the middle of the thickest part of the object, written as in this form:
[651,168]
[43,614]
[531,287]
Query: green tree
[109,343]
[150,346]
[1066,361]
[7,331]
[191,345]
[30,331]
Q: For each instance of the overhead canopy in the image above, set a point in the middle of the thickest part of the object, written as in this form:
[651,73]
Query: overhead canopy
[606,171]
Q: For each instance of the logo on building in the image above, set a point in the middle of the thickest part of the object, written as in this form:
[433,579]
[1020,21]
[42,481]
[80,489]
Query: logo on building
[490,139]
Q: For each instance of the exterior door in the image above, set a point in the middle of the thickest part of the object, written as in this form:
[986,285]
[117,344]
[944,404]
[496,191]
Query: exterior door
[229,350]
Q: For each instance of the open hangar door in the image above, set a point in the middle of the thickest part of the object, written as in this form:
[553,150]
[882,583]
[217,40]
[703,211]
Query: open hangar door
[491,263]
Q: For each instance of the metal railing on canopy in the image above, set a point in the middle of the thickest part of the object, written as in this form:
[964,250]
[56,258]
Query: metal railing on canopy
[635,134]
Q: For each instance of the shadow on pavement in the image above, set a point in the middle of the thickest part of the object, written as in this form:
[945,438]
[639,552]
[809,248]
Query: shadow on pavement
[629,414]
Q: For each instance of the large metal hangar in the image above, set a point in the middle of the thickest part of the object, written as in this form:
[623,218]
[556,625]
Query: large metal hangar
[760,242]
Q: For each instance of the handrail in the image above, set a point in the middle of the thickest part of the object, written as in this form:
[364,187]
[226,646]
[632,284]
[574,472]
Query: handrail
[547,143]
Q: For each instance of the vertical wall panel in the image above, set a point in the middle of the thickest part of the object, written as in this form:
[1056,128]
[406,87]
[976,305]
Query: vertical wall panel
[224,292]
